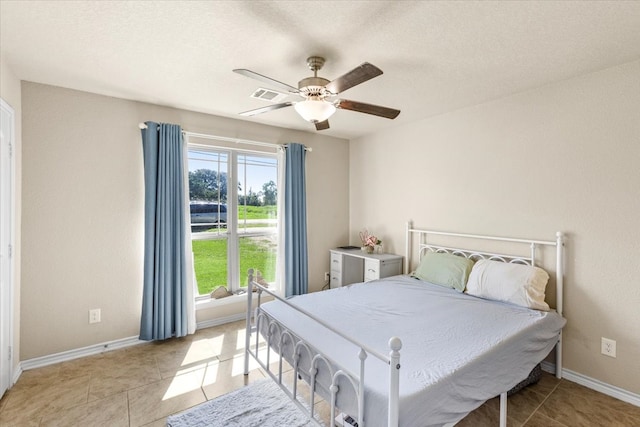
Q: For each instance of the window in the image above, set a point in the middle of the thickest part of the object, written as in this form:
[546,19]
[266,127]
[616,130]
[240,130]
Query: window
[234,227]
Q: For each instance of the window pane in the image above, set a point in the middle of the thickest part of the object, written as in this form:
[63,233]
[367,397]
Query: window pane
[208,191]
[259,253]
[208,214]
[210,261]
[257,215]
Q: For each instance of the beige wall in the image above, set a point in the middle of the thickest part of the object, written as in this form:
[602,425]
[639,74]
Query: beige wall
[562,157]
[83,211]
[10,92]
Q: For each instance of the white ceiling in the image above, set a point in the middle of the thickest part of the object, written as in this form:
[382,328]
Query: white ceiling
[436,56]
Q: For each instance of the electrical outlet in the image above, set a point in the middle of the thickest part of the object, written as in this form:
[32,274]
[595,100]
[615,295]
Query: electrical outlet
[327,277]
[94,315]
[608,347]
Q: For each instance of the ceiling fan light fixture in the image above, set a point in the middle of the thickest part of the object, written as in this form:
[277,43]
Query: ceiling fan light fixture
[315,110]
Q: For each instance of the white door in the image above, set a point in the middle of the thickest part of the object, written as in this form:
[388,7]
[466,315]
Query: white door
[6,242]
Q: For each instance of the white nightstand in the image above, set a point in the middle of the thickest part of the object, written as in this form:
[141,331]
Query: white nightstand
[353,266]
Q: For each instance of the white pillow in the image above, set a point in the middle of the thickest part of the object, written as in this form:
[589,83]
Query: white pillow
[513,283]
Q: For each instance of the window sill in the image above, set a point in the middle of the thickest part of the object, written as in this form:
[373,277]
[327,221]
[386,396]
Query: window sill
[205,304]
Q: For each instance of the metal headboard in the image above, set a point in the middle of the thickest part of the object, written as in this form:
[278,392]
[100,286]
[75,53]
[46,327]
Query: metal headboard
[424,245]
[475,255]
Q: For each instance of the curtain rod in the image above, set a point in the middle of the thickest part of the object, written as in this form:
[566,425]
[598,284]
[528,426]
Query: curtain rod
[226,139]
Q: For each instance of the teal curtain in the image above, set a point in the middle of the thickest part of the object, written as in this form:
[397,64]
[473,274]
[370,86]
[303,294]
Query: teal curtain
[164,310]
[295,222]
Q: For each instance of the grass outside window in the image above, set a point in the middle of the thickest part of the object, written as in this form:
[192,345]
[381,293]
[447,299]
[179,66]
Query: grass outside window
[210,259]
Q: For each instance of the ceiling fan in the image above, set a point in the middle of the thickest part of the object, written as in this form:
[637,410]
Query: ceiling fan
[320,94]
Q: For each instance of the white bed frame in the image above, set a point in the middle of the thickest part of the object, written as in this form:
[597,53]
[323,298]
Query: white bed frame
[357,380]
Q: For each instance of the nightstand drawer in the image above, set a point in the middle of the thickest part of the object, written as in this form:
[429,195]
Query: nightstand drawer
[371,269]
[336,262]
[336,279]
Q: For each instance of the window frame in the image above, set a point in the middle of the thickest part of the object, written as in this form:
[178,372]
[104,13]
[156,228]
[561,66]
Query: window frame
[232,234]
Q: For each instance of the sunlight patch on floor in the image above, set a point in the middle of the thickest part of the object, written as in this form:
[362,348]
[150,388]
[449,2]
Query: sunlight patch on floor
[240,342]
[198,351]
[212,373]
[216,344]
[183,384]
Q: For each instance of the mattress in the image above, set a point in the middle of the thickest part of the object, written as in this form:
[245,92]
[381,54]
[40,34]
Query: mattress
[458,350]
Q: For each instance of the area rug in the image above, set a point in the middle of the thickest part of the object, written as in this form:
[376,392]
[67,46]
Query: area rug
[261,403]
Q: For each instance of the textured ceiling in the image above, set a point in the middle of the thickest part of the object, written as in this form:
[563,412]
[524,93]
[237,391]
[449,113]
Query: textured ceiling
[436,56]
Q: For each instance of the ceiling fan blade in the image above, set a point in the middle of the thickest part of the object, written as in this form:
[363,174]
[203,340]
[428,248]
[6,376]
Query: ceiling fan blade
[266,109]
[354,77]
[361,107]
[322,125]
[276,84]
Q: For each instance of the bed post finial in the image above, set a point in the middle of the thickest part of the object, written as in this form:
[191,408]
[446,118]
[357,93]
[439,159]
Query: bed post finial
[395,344]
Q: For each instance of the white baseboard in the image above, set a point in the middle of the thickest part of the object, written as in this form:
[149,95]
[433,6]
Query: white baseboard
[221,321]
[17,373]
[549,367]
[91,350]
[597,385]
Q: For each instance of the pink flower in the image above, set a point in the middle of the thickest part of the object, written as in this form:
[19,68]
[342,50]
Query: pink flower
[369,239]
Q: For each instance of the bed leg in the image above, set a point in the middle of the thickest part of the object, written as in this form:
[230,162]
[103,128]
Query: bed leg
[503,409]
[559,357]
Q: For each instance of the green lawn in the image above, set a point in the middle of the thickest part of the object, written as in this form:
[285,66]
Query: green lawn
[256,212]
[210,259]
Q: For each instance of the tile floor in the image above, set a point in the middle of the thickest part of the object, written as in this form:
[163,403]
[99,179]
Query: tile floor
[142,385]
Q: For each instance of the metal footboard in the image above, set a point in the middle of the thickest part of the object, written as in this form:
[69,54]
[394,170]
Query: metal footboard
[337,374]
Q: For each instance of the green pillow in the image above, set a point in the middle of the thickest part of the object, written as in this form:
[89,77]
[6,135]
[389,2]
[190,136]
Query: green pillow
[451,271]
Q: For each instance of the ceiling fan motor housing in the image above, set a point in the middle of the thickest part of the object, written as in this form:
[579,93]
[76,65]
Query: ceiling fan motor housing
[313,87]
